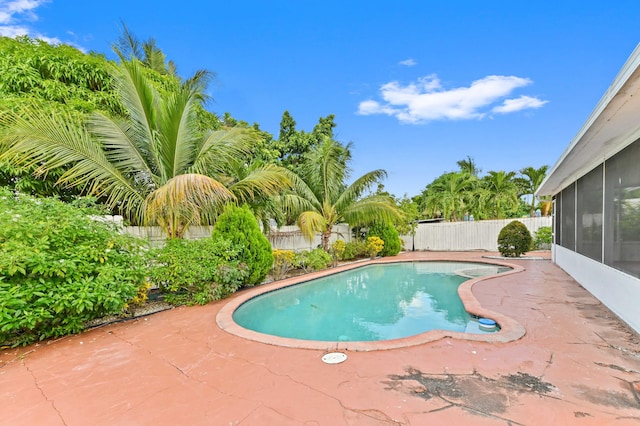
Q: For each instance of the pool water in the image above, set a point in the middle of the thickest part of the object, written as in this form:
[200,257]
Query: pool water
[375,302]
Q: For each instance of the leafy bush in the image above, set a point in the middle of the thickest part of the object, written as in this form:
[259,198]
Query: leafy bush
[543,238]
[514,239]
[374,246]
[337,251]
[239,225]
[355,250]
[59,269]
[387,233]
[313,260]
[282,263]
[197,271]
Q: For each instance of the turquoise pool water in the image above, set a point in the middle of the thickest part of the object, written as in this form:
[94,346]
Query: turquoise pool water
[376,302]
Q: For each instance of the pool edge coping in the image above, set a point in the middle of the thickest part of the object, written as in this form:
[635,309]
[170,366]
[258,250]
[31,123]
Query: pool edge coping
[510,329]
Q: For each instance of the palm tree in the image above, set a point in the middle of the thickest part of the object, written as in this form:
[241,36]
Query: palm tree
[450,194]
[468,165]
[322,198]
[128,47]
[501,192]
[530,182]
[155,166]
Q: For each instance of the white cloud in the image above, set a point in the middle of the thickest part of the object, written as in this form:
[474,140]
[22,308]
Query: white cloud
[14,13]
[427,100]
[517,104]
[408,62]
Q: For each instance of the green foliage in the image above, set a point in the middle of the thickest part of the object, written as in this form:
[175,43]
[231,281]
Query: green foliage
[283,261]
[337,251]
[314,260]
[293,144]
[59,268]
[387,233]
[374,246]
[58,78]
[543,238]
[355,250]
[197,271]
[514,239]
[238,225]
[323,199]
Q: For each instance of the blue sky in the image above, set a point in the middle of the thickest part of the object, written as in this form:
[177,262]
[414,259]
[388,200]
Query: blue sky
[415,85]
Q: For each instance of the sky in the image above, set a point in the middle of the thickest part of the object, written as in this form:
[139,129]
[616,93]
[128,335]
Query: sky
[414,85]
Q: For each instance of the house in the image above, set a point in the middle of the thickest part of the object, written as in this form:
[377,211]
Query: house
[595,187]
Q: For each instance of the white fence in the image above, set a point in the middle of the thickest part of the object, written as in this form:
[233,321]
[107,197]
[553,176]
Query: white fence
[465,236]
[290,238]
[442,236]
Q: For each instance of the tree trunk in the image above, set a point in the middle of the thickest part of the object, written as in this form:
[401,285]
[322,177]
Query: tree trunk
[326,236]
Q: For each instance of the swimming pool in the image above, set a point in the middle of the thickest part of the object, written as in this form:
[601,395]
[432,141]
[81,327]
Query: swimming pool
[370,303]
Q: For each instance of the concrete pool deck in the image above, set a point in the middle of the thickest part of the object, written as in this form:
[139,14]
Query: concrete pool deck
[577,363]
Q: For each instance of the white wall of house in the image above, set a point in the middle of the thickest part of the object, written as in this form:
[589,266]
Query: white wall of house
[620,292]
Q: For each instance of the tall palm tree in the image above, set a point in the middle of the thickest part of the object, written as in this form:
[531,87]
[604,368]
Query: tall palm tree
[501,192]
[530,182]
[155,166]
[450,194]
[128,47]
[468,165]
[322,198]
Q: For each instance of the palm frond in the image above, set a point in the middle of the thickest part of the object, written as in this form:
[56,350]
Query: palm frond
[375,208]
[310,223]
[140,100]
[355,190]
[263,181]
[48,142]
[186,199]
[177,132]
[121,149]
[220,148]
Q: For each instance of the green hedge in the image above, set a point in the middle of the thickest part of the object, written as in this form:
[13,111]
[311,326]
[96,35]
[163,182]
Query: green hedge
[197,271]
[59,268]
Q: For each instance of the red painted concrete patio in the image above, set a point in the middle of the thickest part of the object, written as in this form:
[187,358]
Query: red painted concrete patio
[577,363]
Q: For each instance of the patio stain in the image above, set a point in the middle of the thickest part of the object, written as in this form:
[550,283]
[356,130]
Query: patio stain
[473,392]
[614,399]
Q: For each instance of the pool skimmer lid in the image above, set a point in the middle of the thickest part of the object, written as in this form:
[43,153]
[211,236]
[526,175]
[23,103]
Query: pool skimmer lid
[334,358]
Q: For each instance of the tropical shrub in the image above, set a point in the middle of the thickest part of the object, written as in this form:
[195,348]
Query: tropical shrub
[387,233]
[514,239]
[60,268]
[313,260]
[354,250]
[240,227]
[282,263]
[543,238]
[374,246]
[197,271]
[337,251]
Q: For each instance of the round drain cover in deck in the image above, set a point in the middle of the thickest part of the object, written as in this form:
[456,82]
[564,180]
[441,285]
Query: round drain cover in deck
[334,358]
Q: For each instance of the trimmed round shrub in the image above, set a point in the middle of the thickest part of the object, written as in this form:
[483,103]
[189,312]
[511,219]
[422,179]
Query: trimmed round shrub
[60,268]
[239,225]
[387,233]
[514,239]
